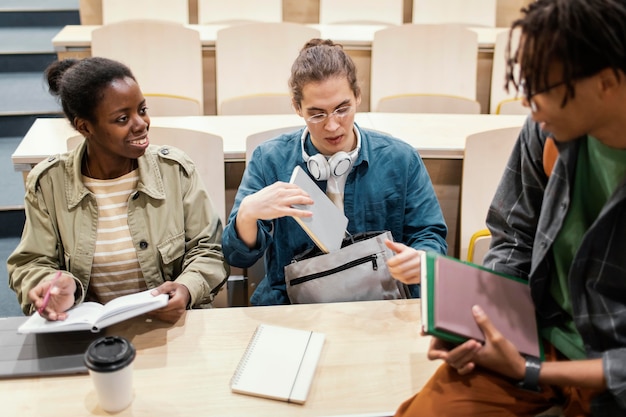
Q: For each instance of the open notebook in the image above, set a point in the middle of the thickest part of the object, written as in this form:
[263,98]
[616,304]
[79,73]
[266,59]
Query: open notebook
[95,316]
[279,363]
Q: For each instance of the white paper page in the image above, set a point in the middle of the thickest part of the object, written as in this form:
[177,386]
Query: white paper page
[80,317]
[128,306]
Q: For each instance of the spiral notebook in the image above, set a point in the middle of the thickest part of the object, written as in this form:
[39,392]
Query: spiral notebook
[279,363]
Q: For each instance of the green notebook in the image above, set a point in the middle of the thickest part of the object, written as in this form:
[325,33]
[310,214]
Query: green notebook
[451,287]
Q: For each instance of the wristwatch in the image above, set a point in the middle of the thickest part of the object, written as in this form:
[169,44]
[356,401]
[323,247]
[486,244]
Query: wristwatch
[531,376]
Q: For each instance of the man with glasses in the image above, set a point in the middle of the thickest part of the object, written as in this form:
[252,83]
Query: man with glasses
[564,231]
[378,181]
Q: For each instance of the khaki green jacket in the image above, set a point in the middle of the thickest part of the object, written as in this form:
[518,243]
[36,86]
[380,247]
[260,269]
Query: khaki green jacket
[175,229]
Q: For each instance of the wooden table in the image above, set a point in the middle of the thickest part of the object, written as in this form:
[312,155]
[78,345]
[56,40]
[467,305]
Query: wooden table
[75,41]
[374,358]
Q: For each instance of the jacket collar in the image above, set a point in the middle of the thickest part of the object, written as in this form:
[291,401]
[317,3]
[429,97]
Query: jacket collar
[150,179]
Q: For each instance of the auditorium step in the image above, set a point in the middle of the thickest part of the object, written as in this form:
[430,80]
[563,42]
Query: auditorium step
[39,13]
[26,31]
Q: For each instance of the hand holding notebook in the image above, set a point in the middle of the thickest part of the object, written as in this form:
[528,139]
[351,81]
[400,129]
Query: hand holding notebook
[450,288]
[94,316]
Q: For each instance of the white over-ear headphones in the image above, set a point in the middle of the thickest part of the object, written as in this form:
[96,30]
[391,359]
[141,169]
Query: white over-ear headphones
[337,165]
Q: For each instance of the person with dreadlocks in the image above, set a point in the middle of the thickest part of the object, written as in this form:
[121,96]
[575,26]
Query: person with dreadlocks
[565,232]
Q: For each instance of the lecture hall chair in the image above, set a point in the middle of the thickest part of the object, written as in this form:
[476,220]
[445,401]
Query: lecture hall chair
[385,12]
[501,101]
[466,12]
[207,152]
[239,11]
[484,161]
[256,272]
[424,69]
[169,10]
[253,63]
[205,149]
[166,59]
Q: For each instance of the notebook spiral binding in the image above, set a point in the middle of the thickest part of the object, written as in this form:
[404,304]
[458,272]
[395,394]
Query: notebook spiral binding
[246,356]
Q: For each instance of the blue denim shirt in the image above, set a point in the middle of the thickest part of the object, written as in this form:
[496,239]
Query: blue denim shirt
[525,217]
[388,188]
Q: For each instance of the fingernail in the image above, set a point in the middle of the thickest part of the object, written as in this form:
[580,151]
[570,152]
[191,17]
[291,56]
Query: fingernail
[477,310]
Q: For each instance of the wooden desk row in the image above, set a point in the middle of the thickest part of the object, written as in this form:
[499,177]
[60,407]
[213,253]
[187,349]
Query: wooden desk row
[435,136]
[75,41]
[373,359]
[440,139]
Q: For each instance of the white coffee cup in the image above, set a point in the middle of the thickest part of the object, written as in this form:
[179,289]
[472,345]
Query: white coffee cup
[109,360]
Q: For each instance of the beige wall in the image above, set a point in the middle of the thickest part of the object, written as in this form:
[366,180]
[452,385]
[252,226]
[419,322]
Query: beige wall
[304,11]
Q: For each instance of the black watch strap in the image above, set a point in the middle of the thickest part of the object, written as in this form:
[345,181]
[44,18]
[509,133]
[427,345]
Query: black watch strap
[531,376]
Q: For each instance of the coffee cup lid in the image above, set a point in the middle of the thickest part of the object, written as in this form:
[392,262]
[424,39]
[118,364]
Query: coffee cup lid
[109,353]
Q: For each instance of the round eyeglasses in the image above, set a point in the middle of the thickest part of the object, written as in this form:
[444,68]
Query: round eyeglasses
[339,113]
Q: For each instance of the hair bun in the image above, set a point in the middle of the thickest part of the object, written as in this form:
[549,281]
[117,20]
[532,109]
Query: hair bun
[54,73]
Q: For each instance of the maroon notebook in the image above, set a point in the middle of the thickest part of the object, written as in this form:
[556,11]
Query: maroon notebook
[451,287]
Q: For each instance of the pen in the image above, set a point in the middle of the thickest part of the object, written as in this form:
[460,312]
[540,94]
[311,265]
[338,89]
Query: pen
[46,298]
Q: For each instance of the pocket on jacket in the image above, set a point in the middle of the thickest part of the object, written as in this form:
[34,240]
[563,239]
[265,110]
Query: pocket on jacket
[172,251]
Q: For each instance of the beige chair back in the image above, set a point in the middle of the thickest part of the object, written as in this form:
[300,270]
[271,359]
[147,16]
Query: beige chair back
[169,10]
[256,272]
[423,61]
[205,149]
[501,101]
[467,12]
[386,12]
[258,104]
[486,156]
[254,140]
[171,105]
[165,57]
[253,61]
[207,152]
[428,103]
[237,11]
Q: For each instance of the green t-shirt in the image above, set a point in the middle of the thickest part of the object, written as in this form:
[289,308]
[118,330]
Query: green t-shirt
[599,170]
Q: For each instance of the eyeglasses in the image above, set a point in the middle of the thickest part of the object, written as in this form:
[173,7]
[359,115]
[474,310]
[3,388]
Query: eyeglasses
[524,91]
[339,113]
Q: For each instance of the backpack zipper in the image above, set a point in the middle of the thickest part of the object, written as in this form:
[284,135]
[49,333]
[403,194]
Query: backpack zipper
[370,258]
